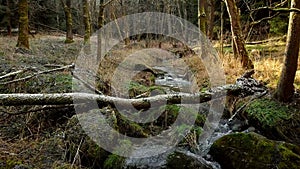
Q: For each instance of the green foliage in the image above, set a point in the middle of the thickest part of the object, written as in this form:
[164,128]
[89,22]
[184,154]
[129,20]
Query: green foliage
[269,112]
[279,25]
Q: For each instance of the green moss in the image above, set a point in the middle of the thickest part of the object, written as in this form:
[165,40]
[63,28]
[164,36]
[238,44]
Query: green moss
[250,150]
[12,163]
[130,128]
[269,112]
[136,89]
[69,41]
[114,162]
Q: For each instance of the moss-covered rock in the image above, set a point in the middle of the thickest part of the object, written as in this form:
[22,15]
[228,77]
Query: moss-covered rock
[251,150]
[275,120]
[91,155]
[179,160]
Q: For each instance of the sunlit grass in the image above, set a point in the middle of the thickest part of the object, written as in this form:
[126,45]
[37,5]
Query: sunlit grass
[267,59]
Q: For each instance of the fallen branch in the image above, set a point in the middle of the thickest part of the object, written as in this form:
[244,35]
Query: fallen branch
[265,41]
[12,74]
[88,85]
[38,73]
[43,108]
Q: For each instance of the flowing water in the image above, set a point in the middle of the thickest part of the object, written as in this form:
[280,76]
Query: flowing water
[176,80]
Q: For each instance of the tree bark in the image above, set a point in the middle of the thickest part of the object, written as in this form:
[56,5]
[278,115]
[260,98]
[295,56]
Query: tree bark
[210,30]
[202,16]
[237,36]
[8,15]
[69,20]
[23,38]
[139,103]
[86,21]
[285,87]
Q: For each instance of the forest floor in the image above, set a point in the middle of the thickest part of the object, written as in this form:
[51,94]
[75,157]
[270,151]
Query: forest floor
[29,138]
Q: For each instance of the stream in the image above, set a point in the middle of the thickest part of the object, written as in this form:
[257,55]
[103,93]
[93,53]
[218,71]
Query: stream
[174,81]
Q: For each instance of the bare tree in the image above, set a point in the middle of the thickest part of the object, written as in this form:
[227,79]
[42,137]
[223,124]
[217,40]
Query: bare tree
[23,39]
[237,37]
[285,88]
[69,20]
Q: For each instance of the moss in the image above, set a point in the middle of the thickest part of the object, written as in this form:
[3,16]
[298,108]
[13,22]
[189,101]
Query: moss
[68,40]
[130,128]
[269,112]
[250,150]
[179,160]
[136,89]
[114,162]
[11,163]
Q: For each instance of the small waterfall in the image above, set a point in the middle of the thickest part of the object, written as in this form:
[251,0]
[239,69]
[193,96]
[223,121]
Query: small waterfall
[175,81]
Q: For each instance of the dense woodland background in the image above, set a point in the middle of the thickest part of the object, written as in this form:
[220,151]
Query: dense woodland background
[257,43]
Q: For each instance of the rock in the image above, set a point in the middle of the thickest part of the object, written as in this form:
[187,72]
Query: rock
[274,120]
[253,151]
[181,159]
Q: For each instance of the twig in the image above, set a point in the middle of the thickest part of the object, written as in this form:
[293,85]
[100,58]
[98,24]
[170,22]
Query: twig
[52,65]
[88,85]
[38,73]
[265,41]
[43,108]
[77,153]
[264,19]
[246,104]
[13,73]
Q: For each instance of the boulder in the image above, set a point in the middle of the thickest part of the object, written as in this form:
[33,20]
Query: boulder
[253,151]
[183,159]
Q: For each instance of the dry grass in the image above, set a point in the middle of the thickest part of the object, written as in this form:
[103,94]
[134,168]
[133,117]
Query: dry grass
[268,60]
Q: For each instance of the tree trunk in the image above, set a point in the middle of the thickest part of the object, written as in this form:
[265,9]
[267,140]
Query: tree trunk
[69,21]
[285,87]
[71,98]
[101,14]
[202,17]
[87,21]
[237,37]
[23,39]
[8,14]
[210,29]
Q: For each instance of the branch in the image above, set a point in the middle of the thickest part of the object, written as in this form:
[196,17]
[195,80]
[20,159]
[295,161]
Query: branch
[38,73]
[43,108]
[278,9]
[267,7]
[12,74]
[106,3]
[265,41]
[264,19]
[88,85]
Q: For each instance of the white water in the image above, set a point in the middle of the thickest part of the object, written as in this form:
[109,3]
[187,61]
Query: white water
[173,79]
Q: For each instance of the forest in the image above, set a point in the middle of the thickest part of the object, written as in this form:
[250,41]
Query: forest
[159,84]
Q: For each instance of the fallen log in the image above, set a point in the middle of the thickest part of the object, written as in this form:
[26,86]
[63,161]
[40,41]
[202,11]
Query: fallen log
[243,87]
[70,98]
